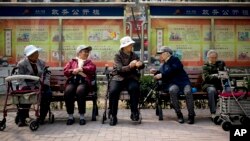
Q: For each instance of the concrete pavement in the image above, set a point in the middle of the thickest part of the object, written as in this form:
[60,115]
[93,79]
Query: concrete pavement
[151,128]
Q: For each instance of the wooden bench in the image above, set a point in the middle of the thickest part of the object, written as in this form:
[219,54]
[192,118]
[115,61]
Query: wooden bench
[195,76]
[57,84]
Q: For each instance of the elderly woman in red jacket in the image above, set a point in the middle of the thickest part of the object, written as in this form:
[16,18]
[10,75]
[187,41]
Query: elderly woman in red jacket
[80,72]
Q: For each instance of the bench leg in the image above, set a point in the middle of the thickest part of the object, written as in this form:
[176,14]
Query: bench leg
[160,108]
[94,111]
[61,105]
[97,111]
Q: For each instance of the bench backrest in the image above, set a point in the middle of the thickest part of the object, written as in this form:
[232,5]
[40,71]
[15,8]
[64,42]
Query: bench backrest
[195,76]
[57,80]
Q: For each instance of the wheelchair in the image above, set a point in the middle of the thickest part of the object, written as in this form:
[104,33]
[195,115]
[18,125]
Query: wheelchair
[124,95]
[19,96]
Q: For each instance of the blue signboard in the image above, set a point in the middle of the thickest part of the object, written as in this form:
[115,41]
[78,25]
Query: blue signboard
[199,11]
[61,11]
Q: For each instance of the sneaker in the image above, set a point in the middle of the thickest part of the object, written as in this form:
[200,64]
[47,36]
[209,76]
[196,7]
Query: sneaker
[70,121]
[213,116]
[180,118]
[113,121]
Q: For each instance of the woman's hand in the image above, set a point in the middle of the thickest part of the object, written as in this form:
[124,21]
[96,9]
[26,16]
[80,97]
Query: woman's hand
[77,70]
[153,71]
[138,64]
[132,64]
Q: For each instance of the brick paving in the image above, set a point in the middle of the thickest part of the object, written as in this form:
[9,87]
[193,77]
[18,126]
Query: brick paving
[151,128]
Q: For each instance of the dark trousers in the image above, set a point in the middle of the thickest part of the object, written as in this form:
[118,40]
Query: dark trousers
[78,91]
[212,99]
[133,88]
[174,96]
[23,109]
[23,112]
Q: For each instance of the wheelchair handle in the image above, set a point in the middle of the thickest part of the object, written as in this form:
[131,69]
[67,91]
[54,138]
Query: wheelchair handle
[21,77]
[14,70]
[46,70]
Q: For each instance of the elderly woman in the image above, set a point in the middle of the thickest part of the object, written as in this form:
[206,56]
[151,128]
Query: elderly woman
[125,75]
[32,65]
[80,72]
[211,83]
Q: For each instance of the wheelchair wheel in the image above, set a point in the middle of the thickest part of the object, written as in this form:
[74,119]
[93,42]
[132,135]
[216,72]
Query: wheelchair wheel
[34,125]
[217,120]
[226,125]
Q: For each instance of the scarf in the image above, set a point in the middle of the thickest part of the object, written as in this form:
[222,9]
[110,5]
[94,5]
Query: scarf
[80,62]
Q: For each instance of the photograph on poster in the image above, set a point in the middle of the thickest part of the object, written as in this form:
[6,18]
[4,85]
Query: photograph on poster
[224,33]
[243,52]
[102,33]
[243,36]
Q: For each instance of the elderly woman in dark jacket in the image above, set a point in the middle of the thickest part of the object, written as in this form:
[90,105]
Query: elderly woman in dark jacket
[175,79]
[80,72]
[125,75]
[211,82]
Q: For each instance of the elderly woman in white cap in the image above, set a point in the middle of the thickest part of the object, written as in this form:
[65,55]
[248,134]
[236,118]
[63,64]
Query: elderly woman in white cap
[80,72]
[32,65]
[125,75]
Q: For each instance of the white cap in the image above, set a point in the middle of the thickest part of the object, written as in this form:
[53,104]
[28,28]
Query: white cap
[30,49]
[125,41]
[81,47]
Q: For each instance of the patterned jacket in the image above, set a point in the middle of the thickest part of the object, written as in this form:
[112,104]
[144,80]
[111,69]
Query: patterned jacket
[208,71]
[121,69]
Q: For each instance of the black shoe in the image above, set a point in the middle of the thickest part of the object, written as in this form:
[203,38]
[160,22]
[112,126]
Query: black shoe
[180,118]
[70,121]
[190,119]
[113,121]
[134,116]
[82,122]
[41,121]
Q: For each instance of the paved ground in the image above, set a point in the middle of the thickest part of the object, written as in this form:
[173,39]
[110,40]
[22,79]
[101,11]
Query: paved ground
[151,129]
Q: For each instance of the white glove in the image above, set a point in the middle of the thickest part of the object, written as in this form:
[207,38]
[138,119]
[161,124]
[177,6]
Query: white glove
[215,75]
